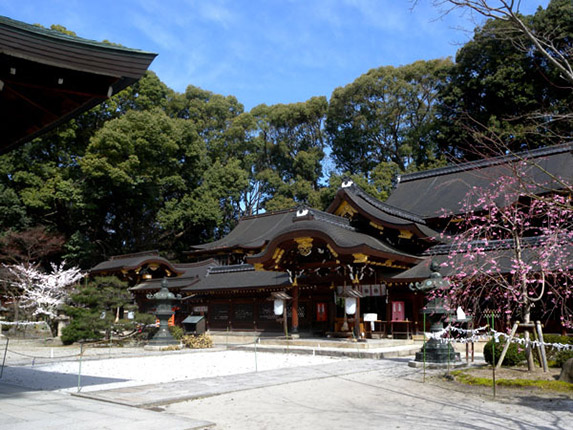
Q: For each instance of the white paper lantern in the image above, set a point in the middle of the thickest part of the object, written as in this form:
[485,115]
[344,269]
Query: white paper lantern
[279,306]
[350,305]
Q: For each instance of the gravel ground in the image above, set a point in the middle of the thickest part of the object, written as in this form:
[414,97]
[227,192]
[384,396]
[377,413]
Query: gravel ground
[65,371]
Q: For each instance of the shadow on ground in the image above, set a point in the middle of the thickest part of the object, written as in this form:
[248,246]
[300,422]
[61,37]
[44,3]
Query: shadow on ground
[33,379]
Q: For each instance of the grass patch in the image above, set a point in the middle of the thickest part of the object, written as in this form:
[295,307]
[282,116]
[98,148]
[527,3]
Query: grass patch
[468,379]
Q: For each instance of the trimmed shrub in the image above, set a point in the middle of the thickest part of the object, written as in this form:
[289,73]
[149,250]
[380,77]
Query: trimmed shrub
[555,357]
[514,356]
[561,357]
[197,342]
[177,332]
[78,330]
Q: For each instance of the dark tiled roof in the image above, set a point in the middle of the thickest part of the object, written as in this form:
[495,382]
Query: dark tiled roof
[251,232]
[46,71]
[46,46]
[500,250]
[128,262]
[238,277]
[190,274]
[333,229]
[382,213]
[428,193]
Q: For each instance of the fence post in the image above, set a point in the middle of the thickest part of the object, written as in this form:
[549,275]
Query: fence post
[80,368]
[506,346]
[4,359]
[256,365]
[424,347]
[493,350]
[542,345]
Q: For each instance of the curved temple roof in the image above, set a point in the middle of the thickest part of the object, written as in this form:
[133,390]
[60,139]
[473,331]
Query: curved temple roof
[252,232]
[236,277]
[379,212]
[47,77]
[130,262]
[190,275]
[335,231]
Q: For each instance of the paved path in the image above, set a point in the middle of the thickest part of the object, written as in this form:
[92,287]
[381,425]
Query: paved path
[24,409]
[389,396]
[161,394]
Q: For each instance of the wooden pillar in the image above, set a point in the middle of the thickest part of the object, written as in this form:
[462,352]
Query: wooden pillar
[294,322]
[357,319]
[357,333]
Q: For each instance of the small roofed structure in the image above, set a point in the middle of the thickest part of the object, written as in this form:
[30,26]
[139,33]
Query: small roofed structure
[137,267]
[47,77]
[237,297]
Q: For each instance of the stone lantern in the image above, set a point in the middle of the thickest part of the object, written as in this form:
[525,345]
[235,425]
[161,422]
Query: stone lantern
[163,311]
[435,351]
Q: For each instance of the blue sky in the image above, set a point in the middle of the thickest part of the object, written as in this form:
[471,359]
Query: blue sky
[262,51]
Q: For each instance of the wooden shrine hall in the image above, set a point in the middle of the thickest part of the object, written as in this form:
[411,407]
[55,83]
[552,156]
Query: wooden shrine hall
[360,251]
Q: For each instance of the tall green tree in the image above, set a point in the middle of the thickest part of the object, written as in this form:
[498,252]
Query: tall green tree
[292,146]
[135,167]
[504,94]
[386,115]
[210,113]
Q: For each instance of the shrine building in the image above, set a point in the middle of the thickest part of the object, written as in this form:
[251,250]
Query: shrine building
[360,252]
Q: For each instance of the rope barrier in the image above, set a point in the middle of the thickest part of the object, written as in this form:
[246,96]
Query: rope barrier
[444,336]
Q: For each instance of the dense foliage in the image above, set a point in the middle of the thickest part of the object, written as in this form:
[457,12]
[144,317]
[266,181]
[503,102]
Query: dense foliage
[155,169]
[96,309]
[514,356]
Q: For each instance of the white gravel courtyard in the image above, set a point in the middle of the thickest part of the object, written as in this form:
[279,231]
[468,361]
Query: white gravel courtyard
[109,373]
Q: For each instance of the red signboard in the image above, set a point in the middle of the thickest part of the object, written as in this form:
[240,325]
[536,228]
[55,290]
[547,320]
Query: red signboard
[321,312]
[398,312]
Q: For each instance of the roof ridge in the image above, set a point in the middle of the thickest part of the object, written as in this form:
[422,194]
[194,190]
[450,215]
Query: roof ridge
[153,253]
[328,218]
[54,34]
[489,245]
[488,162]
[264,214]
[243,267]
[196,263]
[392,210]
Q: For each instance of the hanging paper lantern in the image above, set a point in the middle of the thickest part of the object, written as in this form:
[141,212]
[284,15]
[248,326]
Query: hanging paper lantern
[279,306]
[350,305]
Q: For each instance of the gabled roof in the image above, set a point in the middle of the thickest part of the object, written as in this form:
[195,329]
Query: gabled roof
[129,262]
[251,233]
[379,213]
[428,193]
[241,276]
[47,77]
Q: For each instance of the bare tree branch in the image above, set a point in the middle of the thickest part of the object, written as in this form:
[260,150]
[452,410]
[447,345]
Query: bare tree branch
[508,10]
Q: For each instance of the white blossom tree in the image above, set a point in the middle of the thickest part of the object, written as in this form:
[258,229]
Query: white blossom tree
[42,293]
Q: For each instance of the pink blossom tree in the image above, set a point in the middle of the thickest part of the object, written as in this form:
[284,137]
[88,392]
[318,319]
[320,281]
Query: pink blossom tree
[511,250]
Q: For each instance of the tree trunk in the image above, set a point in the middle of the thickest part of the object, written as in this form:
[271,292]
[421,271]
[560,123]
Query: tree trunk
[528,349]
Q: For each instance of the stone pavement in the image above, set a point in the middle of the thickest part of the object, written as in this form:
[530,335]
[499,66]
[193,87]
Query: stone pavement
[162,394]
[24,409]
